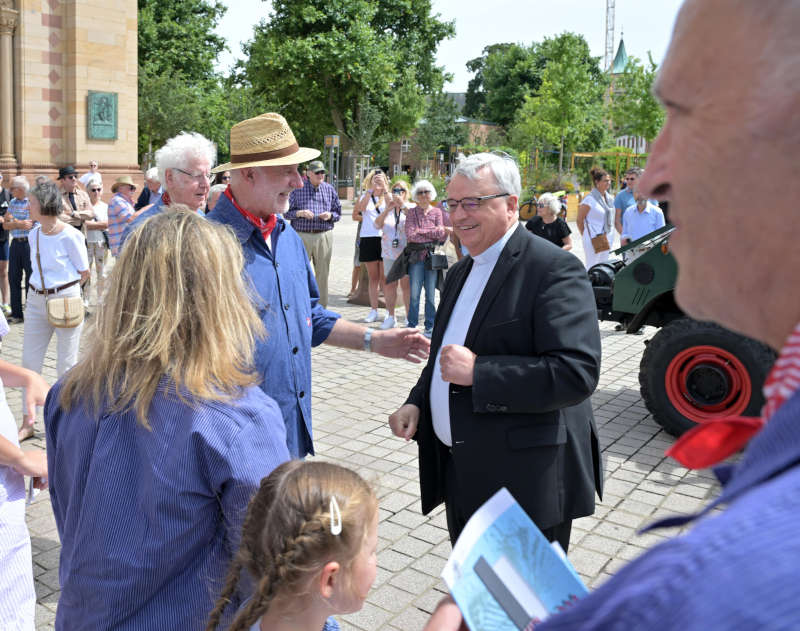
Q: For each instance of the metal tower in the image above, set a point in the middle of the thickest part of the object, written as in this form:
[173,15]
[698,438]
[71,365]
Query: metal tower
[609,56]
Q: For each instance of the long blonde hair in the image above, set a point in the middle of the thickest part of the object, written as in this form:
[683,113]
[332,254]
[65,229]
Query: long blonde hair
[287,534]
[177,307]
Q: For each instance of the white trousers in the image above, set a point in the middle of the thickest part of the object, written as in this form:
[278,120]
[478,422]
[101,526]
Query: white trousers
[38,332]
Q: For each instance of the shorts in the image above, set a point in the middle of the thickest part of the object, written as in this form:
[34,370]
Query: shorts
[4,250]
[369,249]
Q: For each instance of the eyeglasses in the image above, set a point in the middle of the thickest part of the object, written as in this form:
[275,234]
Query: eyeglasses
[630,179]
[196,176]
[540,205]
[397,191]
[95,190]
[471,203]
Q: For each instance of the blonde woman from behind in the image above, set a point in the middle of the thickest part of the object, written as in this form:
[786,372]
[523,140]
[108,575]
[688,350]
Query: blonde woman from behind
[159,436]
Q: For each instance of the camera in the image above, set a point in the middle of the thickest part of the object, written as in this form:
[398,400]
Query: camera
[395,243]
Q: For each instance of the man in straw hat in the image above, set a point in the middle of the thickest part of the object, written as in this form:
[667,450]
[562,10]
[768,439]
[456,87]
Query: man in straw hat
[263,166]
[120,211]
[736,564]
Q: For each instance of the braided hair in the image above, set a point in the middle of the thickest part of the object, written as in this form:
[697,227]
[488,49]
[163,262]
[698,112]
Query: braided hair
[287,538]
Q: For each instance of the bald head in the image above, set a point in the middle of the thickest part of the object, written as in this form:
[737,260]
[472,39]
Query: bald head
[728,84]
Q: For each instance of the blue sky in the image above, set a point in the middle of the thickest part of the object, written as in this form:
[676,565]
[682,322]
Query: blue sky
[646,25]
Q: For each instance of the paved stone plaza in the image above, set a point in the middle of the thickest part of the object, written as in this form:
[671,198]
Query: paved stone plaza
[352,397]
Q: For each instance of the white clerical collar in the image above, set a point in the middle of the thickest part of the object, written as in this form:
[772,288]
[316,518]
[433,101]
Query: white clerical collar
[490,255]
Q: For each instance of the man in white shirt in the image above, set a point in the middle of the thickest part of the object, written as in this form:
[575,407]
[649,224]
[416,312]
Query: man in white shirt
[639,219]
[515,356]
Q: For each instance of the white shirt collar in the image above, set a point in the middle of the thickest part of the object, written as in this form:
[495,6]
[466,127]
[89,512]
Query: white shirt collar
[490,255]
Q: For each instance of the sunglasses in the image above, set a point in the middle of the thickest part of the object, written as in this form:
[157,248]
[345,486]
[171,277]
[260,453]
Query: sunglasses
[225,178]
[71,177]
[425,192]
[95,190]
[397,191]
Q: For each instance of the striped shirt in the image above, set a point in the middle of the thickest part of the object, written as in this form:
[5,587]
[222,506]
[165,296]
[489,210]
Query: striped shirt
[20,209]
[322,199]
[735,570]
[149,519]
[120,211]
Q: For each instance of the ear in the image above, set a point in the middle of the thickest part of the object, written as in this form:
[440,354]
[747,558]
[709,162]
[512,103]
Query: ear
[328,577]
[169,176]
[511,203]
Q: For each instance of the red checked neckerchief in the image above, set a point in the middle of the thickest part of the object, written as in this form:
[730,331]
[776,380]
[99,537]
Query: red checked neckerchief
[714,440]
[264,225]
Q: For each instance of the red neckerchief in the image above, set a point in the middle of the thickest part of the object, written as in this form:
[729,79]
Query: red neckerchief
[165,200]
[714,440]
[265,226]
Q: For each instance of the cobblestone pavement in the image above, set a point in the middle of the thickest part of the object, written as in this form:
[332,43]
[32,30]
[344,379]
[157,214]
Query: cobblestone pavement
[352,398]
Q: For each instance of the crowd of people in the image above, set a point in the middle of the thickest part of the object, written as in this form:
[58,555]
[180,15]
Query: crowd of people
[176,441]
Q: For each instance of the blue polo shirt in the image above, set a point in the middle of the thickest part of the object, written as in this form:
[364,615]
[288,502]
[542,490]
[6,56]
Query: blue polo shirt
[287,299]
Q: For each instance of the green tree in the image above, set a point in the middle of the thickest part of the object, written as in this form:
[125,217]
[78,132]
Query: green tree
[439,127]
[634,110]
[321,60]
[567,111]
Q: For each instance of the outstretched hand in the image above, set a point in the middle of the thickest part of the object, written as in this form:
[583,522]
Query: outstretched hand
[36,390]
[407,344]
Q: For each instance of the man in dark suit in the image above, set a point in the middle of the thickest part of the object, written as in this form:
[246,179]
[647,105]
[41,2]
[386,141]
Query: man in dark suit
[515,356]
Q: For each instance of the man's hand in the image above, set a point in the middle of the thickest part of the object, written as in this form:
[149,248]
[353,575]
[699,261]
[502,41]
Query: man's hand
[446,617]
[405,344]
[304,214]
[404,422]
[457,364]
[325,216]
[25,224]
[36,390]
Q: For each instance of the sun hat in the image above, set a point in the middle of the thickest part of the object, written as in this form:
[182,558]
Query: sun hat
[65,171]
[264,140]
[125,179]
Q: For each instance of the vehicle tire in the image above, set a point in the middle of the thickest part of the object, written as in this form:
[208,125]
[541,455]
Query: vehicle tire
[692,371]
[527,210]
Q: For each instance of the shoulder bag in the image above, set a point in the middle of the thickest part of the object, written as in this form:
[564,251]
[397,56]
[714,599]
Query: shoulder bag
[63,312]
[599,241]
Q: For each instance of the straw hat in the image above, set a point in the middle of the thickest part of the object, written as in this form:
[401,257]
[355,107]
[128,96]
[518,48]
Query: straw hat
[125,179]
[262,141]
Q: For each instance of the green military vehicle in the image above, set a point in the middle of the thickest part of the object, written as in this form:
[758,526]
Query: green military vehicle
[690,370]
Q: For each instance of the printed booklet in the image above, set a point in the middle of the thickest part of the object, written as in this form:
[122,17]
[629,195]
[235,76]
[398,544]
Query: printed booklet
[504,575]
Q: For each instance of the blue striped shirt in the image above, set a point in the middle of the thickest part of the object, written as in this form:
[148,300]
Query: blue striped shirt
[737,570]
[20,209]
[149,519]
[322,199]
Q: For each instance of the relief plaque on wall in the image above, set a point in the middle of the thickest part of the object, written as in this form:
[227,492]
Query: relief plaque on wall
[101,108]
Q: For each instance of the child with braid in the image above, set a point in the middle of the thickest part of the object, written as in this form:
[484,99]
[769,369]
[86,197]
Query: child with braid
[309,545]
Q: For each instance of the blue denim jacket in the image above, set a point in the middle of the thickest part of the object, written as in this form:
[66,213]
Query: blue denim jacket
[287,299]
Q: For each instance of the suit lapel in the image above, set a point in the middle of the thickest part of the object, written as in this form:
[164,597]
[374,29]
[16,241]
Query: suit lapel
[505,263]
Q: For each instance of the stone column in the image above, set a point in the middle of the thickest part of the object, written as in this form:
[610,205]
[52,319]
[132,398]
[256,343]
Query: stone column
[8,23]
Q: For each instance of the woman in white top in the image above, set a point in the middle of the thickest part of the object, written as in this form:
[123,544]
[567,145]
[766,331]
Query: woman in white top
[65,264]
[596,217]
[366,210]
[95,239]
[392,221]
[17,597]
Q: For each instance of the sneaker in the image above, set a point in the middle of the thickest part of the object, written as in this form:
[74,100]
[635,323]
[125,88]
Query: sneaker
[15,320]
[388,322]
[428,333]
[371,316]
[6,310]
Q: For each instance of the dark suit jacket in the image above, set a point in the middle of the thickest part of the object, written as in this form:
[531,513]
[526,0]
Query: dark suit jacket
[526,423]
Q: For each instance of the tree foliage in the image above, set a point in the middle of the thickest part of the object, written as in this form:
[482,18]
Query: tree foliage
[567,111]
[322,61]
[439,127]
[634,110]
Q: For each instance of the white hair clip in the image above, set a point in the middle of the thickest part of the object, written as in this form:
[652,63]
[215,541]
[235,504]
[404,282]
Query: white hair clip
[336,517]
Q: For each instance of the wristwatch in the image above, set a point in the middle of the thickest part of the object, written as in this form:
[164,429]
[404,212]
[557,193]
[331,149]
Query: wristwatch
[368,340]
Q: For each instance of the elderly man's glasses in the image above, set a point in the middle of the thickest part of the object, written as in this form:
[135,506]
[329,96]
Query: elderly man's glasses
[196,176]
[471,203]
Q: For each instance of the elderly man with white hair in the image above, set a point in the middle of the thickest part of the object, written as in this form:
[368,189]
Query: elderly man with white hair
[184,169]
[151,191]
[515,355]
